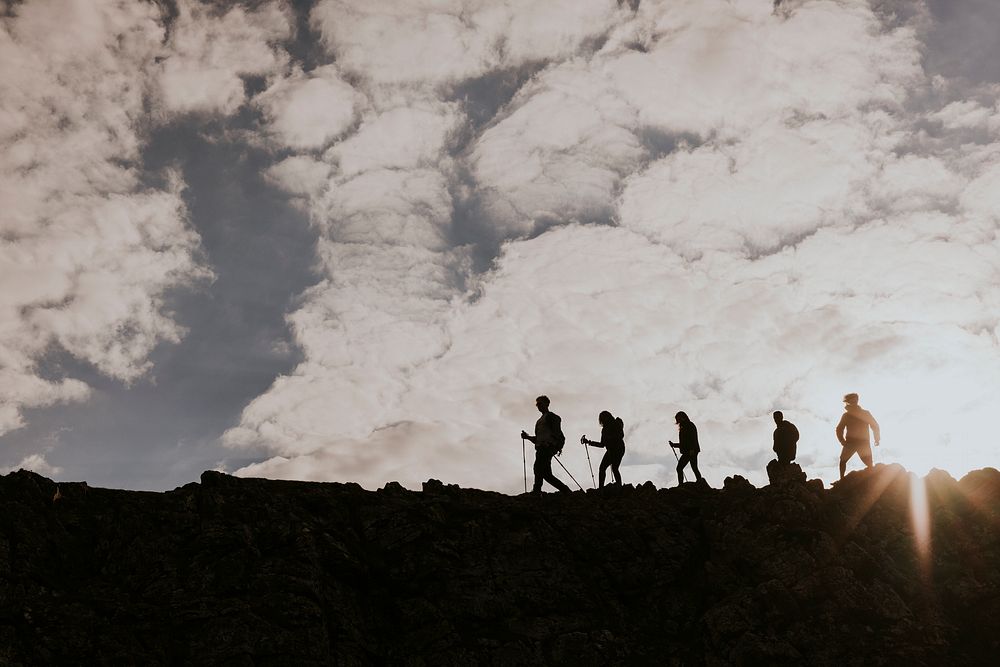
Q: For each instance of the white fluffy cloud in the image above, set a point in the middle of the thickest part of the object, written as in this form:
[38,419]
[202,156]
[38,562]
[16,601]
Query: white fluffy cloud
[968,114]
[644,332]
[776,230]
[560,152]
[208,52]
[725,68]
[35,463]
[444,41]
[307,111]
[384,215]
[89,250]
[402,137]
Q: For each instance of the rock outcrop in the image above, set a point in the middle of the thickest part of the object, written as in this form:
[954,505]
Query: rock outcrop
[254,572]
[778,472]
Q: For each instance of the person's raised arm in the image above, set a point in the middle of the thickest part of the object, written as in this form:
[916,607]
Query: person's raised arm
[875,429]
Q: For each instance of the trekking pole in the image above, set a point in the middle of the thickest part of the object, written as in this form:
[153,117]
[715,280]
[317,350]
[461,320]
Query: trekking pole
[676,458]
[524,464]
[583,441]
[567,472]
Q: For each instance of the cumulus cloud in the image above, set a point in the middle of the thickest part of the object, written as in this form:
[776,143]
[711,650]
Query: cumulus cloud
[772,229]
[89,252]
[968,114]
[307,111]
[407,136]
[209,52]
[559,153]
[383,216]
[435,42]
[726,68]
[300,175]
[644,332]
[35,463]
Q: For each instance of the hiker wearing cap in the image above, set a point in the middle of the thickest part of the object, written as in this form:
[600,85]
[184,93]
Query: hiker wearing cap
[854,433]
[549,441]
[613,442]
[688,446]
[786,438]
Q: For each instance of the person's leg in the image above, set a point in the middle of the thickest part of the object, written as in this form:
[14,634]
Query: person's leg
[615,464]
[694,466]
[556,482]
[549,477]
[603,471]
[865,453]
[681,462]
[539,469]
[845,454]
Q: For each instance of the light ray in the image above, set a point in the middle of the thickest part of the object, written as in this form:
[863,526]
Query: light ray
[921,520]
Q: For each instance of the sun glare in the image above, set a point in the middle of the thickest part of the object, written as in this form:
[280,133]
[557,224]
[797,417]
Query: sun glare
[933,417]
[921,519]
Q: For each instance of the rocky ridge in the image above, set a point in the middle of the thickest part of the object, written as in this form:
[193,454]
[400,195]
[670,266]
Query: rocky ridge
[234,571]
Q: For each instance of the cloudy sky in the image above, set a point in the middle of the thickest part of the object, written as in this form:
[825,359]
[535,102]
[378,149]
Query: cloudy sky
[352,240]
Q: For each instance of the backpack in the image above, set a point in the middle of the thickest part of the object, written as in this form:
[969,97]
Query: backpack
[621,430]
[555,423]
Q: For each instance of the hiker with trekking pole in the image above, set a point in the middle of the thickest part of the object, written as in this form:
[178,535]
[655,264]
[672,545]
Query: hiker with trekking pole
[688,444]
[548,440]
[613,442]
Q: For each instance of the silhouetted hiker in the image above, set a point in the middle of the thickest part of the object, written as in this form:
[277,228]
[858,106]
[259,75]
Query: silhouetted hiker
[549,441]
[786,438]
[853,433]
[613,441]
[688,436]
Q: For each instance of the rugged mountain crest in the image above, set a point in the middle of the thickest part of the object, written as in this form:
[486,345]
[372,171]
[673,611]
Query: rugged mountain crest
[255,572]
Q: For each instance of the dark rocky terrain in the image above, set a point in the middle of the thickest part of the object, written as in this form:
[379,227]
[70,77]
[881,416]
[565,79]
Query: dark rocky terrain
[255,572]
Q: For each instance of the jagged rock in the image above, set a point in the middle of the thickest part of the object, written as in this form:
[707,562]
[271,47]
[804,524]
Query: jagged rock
[737,483]
[394,488]
[780,473]
[432,486]
[247,571]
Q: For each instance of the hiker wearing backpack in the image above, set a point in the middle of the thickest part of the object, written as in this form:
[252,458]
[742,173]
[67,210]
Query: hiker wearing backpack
[854,435]
[688,446]
[613,442]
[786,438]
[548,441]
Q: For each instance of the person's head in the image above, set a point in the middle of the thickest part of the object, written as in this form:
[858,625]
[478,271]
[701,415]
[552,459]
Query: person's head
[542,403]
[605,418]
[778,417]
[681,418]
[851,399]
